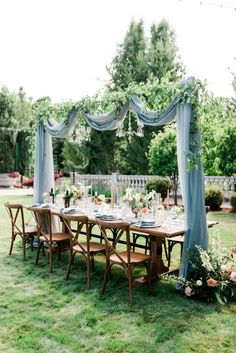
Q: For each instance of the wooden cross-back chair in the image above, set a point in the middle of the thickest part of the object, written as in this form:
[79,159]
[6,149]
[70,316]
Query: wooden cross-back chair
[45,235]
[19,228]
[86,248]
[127,259]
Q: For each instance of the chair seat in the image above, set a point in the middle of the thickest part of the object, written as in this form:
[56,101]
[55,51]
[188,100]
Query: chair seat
[31,229]
[135,257]
[56,237]
[93,247]
[177,239]
[28,230]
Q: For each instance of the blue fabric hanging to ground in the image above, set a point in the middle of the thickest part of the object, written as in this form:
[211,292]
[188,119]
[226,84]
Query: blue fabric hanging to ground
[44,168]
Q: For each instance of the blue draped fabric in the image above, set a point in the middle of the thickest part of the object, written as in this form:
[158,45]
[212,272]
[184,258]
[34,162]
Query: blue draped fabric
[191,181]
[44,169]
[152,118]
[107,121]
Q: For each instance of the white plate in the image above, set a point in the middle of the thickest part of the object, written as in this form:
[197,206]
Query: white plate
[149,226]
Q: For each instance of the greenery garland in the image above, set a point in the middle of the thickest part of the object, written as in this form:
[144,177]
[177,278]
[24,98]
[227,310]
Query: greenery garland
[157,94]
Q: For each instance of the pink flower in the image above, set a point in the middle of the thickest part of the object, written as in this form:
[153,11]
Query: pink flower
[14,175]
[211,282]
[233,276]
[229,270]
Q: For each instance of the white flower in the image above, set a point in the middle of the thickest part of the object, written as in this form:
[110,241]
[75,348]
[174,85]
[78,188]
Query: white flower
[233,276]
[205,259]
[151,195]
[199,283]
[188,291]
[73,188]
[223,268]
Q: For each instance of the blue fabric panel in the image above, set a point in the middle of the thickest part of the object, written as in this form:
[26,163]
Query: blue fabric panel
[107,121]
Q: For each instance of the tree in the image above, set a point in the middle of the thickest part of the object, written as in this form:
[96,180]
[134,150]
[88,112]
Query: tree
[139,59]
[91,157]
[218,133]
[218,136]
[162,56]
[8,130]
[163,156]
[129,64]
[7,109]
[142,60]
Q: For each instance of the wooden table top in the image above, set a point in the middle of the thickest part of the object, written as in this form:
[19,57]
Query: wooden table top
[159,231]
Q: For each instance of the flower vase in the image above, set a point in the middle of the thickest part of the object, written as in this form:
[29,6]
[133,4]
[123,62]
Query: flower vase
[135,211]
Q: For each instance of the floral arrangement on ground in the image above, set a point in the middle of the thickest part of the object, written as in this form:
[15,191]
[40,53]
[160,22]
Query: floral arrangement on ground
[211,276]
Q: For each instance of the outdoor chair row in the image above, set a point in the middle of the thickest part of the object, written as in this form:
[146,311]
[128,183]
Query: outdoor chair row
[126,257]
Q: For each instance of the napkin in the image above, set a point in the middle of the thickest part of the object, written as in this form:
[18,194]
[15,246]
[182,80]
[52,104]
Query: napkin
[42,205]
[105,216]
[147,223]
[70,210]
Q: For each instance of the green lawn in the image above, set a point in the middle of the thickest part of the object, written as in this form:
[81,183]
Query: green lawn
[44,313]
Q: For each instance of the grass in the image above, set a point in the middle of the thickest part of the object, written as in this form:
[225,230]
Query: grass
[44,313]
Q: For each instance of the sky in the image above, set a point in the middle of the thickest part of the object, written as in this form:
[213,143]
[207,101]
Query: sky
[60,48]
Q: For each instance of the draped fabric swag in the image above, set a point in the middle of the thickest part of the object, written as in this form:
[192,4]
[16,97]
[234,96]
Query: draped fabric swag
[44,168]
[191,181]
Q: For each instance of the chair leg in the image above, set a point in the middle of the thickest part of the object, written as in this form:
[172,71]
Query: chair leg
[106,277]
[23,246]
[88,261]
[134,241]
[70,263]
[43,249]
[170,246]
[38,251]
[93,264]
[50,257]
[130,287]
[181,250]
[150,282]
[146,246]
[12,241]
[165,249]
[32,242]
[59,250]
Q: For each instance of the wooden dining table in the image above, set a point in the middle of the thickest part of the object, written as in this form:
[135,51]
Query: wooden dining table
[157,235]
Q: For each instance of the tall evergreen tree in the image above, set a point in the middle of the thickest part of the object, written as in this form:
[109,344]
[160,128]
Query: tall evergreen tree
[139,62]
[129,64]
[162,53]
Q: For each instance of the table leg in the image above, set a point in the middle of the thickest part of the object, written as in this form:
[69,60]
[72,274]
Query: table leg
[156,266]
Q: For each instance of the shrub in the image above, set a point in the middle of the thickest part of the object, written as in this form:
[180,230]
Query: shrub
[214,197]
[232,201]
[14,175]
[30,182]
[160,185]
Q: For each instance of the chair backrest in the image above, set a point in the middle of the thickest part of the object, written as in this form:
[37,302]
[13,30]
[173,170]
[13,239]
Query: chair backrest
[43,220]
[121,228]
[81,220]
[16,214]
